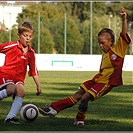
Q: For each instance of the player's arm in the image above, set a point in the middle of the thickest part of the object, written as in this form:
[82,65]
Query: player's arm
[34,72]
[36,79]
[124,22]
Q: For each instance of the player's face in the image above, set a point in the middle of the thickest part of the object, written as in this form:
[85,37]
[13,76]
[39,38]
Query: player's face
[25,38]
[105,42]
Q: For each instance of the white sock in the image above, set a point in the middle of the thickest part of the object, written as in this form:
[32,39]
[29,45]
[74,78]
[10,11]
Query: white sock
[3,94]
[16,105]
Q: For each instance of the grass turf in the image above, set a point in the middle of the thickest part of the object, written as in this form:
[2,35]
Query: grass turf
[112,112]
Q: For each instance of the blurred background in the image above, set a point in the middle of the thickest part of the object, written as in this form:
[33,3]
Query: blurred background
[64,27]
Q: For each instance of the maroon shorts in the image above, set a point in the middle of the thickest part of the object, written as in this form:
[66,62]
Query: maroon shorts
[96,89]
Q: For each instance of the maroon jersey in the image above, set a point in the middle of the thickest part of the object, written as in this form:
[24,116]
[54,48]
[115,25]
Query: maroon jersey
[112,62]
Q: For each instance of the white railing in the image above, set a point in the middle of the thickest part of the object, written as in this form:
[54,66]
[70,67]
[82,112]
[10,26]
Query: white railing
[73,62]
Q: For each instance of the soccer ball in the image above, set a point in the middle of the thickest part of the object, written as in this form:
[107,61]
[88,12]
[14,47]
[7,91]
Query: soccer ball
[29,112]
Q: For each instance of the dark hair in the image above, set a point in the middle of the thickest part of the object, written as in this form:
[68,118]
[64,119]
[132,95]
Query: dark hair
[109,31]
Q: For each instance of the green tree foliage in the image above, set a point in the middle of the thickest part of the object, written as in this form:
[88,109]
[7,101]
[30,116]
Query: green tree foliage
[74,38]
[56,28]
[14,33]
[46,39]
[77,25]
[52,29]
[100,19]
[4,36]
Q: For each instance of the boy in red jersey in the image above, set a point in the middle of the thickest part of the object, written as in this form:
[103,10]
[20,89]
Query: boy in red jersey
[19,55]
[109,76]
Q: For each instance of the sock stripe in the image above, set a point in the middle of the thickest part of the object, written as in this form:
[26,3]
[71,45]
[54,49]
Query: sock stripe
[81,114]
[74,101]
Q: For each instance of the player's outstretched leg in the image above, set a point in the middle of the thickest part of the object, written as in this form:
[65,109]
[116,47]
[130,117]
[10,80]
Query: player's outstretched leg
[57,106]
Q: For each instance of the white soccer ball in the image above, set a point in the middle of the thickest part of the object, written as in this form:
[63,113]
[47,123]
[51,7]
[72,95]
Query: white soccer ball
[29,112]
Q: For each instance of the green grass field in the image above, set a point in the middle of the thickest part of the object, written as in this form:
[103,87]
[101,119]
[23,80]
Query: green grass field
[112,112]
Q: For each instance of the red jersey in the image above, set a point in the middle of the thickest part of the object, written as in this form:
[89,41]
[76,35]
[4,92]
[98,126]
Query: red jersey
[112,62]
[16,61]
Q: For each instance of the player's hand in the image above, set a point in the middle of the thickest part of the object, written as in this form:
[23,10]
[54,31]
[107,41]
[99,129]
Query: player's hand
[39,91]
[123,13]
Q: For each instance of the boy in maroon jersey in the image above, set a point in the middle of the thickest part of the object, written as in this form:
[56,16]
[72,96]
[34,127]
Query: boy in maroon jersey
[19,55]
[109,76]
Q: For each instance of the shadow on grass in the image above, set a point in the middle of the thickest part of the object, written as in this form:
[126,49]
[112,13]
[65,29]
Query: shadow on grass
[112,112]
[62,86]
[66,124]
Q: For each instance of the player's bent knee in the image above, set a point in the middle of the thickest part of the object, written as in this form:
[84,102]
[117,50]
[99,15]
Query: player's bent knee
[10,89]
[20,90]
[21,94]
[79,94]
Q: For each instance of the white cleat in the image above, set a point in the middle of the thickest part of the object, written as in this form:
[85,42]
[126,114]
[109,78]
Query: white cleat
[78,123]
[48,111]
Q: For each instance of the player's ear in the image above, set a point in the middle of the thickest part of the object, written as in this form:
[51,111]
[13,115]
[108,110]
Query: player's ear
[112,40]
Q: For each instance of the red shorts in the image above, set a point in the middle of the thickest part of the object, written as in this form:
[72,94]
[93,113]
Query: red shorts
[5,80]
[96,89]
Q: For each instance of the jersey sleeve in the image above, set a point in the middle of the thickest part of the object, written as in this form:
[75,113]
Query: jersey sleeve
[4,47]
[121,46]
[32,65]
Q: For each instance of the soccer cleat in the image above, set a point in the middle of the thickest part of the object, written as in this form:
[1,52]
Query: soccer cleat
[78,123]
[48,111]
[12,120]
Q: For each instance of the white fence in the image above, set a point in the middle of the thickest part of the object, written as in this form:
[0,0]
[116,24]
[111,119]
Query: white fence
[73,62]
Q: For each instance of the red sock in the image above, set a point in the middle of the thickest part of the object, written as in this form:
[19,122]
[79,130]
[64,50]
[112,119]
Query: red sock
[64,103]
[81,113]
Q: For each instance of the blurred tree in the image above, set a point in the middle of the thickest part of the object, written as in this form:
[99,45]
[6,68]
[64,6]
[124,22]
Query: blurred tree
[14,36]
[46,42]
[53,20]
[74,37]
[78,24]
[46,39]
[4,36]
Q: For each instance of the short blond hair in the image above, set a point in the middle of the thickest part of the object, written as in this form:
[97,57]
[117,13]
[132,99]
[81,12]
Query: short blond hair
[24,27]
